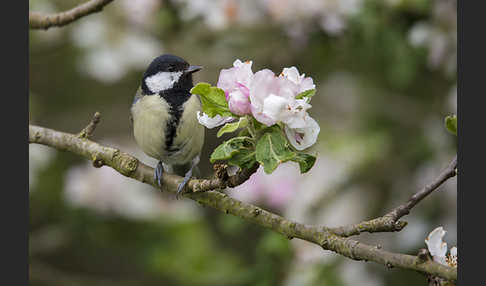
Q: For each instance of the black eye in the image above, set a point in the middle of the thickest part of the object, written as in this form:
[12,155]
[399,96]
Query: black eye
[172,68]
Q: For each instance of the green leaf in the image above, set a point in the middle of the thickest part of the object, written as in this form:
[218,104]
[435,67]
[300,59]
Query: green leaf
[244,159]
[239,151]
[213,99]
[244,132]
[231,127]
[257,125]
[306,162]
[273,149]
[451,124]
[308,93]
[230,148]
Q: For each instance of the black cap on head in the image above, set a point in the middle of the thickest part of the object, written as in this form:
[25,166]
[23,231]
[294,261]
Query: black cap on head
[167,63]
[170,64]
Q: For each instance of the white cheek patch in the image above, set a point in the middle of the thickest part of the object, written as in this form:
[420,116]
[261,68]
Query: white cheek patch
[162,81]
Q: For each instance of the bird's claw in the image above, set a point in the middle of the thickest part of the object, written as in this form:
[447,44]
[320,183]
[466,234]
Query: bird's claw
[159,171]
[181,186]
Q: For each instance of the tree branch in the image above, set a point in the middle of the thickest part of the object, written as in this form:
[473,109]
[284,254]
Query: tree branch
[390,222]
[404,209]
[41,21]
[200,191]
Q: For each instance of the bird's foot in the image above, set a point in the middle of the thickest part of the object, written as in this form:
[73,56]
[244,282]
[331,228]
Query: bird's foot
[181,186]
[187,177]
[159,170]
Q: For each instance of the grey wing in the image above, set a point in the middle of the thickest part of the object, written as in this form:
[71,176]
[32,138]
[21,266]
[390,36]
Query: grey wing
[137,96]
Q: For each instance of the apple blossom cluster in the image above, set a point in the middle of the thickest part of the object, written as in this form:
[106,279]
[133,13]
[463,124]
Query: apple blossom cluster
[438,248]
[269,99]
[271,108]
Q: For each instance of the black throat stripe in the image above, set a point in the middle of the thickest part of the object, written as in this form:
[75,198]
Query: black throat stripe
[175,98]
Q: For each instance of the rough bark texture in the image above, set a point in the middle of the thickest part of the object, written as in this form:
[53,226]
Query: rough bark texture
[40,21]
[203,192]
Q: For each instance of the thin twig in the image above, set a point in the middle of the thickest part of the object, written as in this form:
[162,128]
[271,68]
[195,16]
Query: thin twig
[87,131]
[390,222]
[404,209]
[131,167]
[41,21]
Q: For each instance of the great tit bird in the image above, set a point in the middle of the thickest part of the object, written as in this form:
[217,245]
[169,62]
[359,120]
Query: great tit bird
[163,115]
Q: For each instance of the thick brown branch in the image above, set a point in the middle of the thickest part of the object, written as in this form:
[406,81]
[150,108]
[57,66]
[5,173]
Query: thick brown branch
[124,163]
[41,21]
[131,167]
[390,221]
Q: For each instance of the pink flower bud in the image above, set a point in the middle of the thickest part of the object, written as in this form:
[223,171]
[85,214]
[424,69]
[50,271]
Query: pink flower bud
[239,103]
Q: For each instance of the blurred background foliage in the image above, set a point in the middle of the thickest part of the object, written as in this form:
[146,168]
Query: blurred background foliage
[385,73]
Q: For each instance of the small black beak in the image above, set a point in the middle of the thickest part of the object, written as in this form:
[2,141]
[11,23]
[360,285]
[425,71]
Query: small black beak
[193,69]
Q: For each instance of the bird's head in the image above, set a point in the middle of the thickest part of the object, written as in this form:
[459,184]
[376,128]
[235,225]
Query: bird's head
[168,72]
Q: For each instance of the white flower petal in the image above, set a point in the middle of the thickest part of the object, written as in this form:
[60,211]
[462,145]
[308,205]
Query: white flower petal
[287,88]
[453,251]
[237,63]
[263,84]
[298,114]
[275,107]
[304,83]
[292,74]
[215,121]
[261,117]
[436,246]
[302,138]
